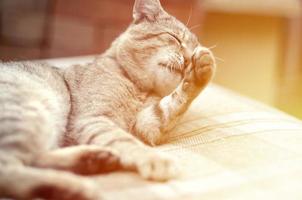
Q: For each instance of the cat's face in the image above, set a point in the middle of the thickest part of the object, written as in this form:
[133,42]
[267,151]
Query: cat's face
[160,45]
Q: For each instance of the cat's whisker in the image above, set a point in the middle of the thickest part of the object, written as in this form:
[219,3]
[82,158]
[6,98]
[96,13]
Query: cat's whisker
[188,22]
[212,47]
[194,27]
[171,67]
[176,61]
[219,59]
[190,15]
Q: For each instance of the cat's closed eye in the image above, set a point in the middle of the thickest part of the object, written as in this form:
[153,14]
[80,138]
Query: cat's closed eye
[175,38]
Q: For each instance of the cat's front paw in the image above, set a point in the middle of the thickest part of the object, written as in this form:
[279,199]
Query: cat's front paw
[158,166]
[152,165]
[203,63]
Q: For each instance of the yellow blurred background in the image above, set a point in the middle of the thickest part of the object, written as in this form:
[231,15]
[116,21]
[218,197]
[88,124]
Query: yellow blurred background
[261,45]
[258,43]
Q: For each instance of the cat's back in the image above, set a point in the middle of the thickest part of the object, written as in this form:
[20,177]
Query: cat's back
[33,81]
[26,74]
[34,89]
[32,77]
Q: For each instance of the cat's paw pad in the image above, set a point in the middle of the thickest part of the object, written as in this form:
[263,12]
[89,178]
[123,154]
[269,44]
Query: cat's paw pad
[204,65]
[95,160]
[158,167]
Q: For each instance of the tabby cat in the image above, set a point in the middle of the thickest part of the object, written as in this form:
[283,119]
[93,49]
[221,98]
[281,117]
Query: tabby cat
[99,117]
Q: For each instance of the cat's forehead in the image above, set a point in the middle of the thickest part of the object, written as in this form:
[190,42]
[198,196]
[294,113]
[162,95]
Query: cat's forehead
[174,25]
[169,24]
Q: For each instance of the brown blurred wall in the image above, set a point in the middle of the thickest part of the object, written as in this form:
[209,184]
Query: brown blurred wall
[77,27]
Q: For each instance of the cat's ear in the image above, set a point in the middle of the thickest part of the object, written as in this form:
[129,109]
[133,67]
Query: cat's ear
[146,9]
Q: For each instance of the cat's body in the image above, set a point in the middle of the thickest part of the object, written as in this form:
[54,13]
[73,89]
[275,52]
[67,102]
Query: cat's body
[138,88]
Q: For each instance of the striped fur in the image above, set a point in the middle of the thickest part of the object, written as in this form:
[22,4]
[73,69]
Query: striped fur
[103,113]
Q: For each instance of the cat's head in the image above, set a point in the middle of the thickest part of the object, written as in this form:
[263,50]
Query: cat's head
[156,48]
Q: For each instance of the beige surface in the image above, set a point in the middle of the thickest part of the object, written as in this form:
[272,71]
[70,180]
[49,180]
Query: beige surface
[230,147]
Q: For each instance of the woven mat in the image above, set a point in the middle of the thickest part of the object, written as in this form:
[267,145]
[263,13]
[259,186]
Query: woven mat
[230,147]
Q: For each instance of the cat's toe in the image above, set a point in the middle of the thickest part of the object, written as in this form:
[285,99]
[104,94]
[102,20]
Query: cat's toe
[204,65]
[158,167]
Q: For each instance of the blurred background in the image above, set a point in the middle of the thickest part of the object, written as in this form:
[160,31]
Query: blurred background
[259,43]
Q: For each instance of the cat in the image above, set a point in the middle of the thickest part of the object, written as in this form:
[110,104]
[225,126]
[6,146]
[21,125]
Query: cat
[99,117]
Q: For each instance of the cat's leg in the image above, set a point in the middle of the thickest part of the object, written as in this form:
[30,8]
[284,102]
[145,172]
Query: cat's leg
[29,115]
[19,181]
[21,143]
[133,154]
[80,159]
[25,183]
[158,118]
